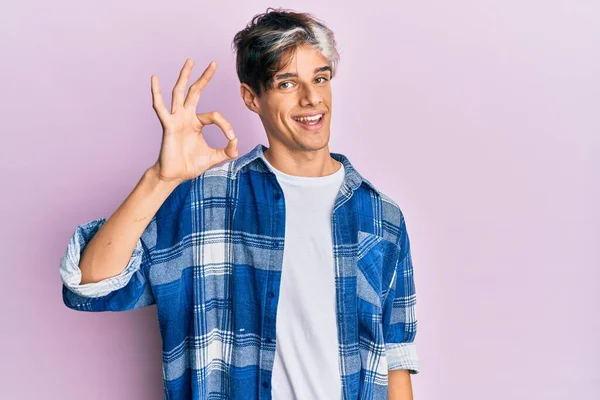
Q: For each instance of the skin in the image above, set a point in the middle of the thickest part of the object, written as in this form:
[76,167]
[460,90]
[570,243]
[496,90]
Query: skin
[184,154]
[399,385]
[292,149]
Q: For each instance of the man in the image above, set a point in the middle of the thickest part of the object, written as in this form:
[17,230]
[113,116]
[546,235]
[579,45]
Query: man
[279,274]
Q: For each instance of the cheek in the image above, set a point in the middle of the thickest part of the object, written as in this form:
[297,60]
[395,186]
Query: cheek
[281,115]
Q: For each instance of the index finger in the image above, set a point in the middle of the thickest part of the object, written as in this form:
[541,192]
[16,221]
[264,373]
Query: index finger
[157,100]
[197,87]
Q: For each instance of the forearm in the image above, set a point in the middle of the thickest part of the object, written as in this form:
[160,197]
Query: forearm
[108,252]
[399,385]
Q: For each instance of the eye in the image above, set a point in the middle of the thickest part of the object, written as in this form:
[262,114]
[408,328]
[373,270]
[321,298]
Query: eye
[280,86]
[324,79]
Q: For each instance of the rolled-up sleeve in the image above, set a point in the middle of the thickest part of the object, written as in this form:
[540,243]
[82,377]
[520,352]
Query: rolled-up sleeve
[399,319]
[128,290]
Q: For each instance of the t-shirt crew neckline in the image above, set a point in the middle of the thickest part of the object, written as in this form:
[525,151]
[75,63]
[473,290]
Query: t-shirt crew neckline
[305,180]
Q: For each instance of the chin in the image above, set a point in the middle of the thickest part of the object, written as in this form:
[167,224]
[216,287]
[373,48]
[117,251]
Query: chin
[315,143]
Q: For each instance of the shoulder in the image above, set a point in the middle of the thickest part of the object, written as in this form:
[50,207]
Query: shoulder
[386,213]
[216,181]
[211,184]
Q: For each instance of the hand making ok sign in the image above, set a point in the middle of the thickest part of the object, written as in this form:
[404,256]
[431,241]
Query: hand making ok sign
[184,153]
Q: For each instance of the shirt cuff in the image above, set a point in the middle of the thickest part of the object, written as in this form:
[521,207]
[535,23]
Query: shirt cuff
[402,356]
[69,264]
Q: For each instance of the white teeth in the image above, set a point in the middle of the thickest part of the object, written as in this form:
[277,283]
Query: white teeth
[313,118]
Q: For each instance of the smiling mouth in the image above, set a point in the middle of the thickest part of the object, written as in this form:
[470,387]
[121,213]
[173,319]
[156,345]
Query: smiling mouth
[309,121]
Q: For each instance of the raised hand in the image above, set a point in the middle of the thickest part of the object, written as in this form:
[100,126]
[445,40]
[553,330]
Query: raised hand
[184,153]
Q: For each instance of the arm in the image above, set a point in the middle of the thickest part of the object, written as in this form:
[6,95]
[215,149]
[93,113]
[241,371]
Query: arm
[399,385]
[400,323]
[106,263]
[110,249]
[183,155]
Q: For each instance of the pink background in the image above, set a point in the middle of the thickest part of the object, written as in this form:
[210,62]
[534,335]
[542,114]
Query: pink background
[481,119]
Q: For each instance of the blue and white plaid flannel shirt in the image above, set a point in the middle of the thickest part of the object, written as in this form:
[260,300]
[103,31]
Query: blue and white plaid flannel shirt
[211,261]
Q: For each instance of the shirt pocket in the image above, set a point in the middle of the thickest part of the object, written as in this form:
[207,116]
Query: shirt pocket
[376,262]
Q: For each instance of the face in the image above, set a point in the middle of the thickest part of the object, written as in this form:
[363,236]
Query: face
[296,111]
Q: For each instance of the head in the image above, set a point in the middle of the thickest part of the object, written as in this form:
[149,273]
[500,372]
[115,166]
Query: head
[285,62]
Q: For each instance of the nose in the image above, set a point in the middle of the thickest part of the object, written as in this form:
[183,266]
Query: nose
[310,96]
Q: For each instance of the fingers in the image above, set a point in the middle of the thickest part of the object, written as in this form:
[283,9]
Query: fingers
[196,89]
[157,100]
[215,117]
[179,88]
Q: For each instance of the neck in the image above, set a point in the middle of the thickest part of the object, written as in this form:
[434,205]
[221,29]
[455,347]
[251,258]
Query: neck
[310,163]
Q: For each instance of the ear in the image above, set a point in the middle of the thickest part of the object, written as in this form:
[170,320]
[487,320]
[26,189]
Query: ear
[250,98]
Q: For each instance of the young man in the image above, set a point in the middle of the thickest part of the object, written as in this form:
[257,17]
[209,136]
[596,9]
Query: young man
[279,274]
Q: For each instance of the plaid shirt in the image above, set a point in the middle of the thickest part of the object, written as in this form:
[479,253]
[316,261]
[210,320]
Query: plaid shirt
[211,261]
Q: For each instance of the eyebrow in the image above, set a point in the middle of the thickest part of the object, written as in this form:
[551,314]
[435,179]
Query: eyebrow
[293,75]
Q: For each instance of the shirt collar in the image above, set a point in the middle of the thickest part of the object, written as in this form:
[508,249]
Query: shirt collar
[352,178]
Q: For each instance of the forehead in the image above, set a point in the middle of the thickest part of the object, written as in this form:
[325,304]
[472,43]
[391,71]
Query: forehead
[303,60]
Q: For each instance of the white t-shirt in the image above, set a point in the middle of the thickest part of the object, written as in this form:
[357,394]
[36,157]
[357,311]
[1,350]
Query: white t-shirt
[306,365]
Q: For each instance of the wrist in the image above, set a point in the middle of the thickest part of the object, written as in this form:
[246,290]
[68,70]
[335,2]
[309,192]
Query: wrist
[152,175]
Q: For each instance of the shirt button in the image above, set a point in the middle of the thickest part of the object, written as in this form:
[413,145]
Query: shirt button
[277,195]
[271,294]
[265,385]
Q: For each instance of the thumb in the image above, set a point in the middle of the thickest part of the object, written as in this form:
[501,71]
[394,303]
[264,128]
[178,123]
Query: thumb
[228,152]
